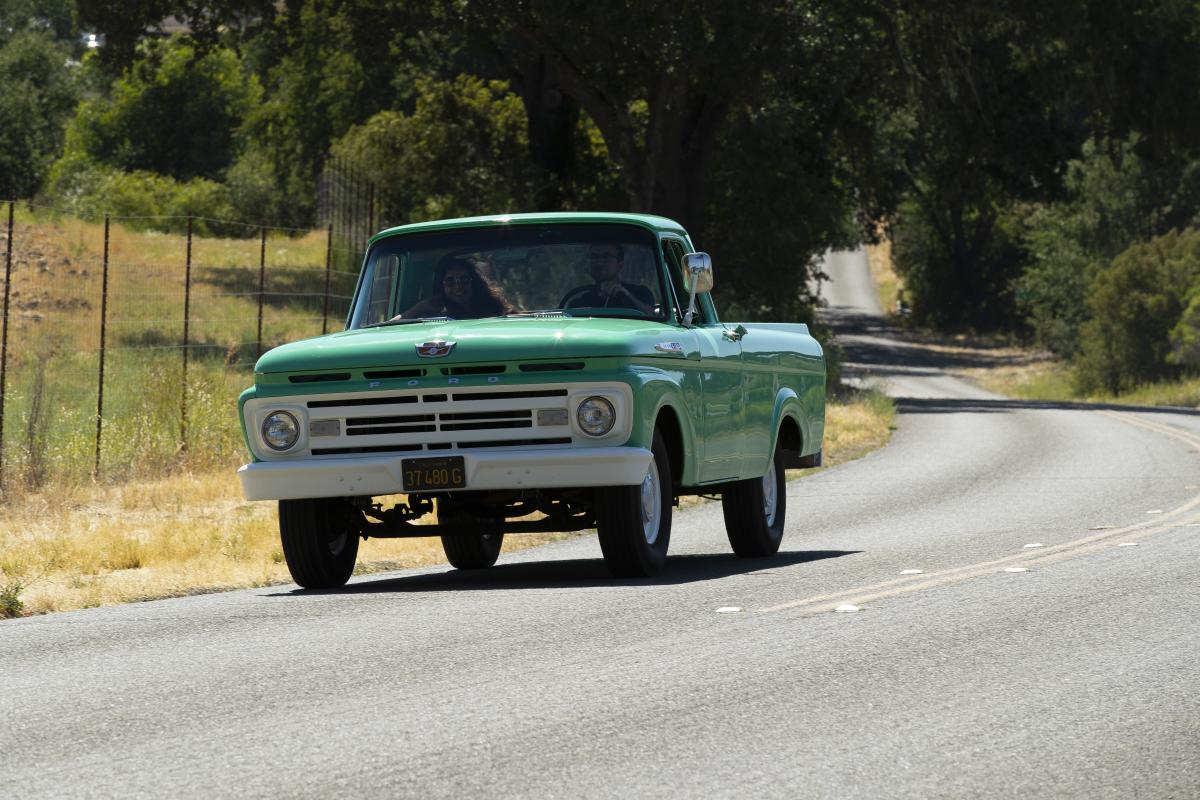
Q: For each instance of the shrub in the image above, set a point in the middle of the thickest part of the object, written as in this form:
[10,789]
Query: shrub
[1137,329]
[150,201]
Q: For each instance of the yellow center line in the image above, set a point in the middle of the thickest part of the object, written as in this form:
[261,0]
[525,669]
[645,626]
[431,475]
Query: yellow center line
[1088,544]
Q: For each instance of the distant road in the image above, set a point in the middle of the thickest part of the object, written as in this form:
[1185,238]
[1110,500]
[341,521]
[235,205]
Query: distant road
[1001,669]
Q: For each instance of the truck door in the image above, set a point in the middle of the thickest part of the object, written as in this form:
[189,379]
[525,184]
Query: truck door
[722,382]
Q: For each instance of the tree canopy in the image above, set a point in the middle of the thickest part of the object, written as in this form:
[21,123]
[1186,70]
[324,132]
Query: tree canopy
[1012,151]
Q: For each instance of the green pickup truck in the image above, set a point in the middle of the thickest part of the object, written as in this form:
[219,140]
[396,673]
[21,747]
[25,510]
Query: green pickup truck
[525,373]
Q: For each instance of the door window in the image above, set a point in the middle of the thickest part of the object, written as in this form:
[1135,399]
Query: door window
[673,252]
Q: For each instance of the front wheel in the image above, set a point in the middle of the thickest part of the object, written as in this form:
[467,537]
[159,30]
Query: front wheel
[754,511]
[634,522]
[319,541]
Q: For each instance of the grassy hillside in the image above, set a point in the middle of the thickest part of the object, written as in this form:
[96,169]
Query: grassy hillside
[54,340]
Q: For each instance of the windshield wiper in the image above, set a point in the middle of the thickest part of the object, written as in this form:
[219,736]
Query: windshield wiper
[542,312]
[600,312]
[406,321]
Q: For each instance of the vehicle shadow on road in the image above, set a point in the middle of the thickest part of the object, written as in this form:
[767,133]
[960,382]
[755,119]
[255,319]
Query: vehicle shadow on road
[574,574]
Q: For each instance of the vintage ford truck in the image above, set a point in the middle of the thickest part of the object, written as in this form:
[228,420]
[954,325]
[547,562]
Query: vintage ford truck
[532,372]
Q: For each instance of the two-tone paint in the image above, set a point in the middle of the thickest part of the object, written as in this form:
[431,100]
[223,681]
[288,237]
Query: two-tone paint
[724,393]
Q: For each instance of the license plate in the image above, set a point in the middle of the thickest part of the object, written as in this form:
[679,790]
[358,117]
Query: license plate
[429,474]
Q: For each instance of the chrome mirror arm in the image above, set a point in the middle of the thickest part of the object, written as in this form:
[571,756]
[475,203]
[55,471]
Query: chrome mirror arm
[691,309]
[698,268]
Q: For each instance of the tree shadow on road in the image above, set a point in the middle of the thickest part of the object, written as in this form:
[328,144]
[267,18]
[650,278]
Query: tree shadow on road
[914,405]
[574,574]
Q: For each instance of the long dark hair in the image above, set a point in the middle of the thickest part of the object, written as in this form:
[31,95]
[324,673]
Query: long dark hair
[486,298]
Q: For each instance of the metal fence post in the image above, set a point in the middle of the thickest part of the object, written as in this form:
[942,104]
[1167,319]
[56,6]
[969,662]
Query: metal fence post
[103,332]
[262,285]
[370,211]
[328,268]
[187,307]
[4,336]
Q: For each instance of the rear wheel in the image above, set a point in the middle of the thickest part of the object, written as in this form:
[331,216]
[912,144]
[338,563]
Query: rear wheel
[754,511]
[319,541]
[634,522]
[468,550]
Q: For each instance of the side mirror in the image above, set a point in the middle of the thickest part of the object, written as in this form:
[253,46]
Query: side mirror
[697,272]
[697,278]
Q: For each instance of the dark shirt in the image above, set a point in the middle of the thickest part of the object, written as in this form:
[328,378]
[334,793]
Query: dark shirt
[593,299]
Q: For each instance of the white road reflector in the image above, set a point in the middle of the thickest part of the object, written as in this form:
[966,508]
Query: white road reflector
[729,609]
[910,572]
[1016,569]
[1155,511]
[1128,544]
[847,608]
[1033,544]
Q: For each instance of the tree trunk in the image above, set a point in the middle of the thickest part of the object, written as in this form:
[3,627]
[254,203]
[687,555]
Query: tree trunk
[552,116]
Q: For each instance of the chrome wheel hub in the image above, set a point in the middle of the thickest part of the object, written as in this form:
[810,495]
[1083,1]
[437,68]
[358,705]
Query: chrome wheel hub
[651,504]
[769,492]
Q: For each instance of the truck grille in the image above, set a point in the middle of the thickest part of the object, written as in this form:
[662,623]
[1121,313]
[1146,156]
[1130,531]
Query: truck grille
[439,420]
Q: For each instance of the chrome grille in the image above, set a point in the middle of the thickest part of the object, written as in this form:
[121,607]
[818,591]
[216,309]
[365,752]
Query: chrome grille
[444,419]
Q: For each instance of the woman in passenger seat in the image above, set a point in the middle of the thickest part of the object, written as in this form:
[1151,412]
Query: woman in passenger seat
[460,292]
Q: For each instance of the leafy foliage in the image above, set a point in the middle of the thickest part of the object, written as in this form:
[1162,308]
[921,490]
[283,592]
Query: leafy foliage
[985,135]
[1138,331]
[37,94]
[177,112]
[460,152]
[1113,199]
[52,18]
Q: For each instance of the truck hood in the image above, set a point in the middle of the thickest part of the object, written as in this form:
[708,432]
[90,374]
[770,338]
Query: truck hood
[476,341]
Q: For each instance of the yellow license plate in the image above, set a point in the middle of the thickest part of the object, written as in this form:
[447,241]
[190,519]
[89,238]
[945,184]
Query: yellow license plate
[431,474]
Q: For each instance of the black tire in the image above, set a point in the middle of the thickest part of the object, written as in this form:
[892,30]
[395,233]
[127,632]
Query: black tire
[468,550]
[319,542]
[753,530]
[473,551]
[632,549]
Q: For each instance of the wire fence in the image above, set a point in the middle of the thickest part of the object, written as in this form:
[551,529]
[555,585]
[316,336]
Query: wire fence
[351,205]
[122,351]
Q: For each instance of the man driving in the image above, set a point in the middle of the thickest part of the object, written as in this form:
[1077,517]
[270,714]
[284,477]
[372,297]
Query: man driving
[606,262]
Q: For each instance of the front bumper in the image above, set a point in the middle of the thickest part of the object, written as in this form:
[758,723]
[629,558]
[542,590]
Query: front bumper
[574,467]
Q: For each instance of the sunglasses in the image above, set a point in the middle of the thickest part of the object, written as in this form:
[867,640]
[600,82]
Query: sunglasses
[462,280]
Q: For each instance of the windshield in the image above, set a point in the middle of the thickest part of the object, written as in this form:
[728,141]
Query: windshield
[470,273]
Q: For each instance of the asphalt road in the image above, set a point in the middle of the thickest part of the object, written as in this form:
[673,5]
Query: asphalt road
[1073,677]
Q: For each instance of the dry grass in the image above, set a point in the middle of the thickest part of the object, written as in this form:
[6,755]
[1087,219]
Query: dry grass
[883,273]
[1029,376]
[89,546]
[181,535]
[1042,377]
[855,426]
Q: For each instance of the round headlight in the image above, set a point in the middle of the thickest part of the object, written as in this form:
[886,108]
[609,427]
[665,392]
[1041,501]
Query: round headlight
[280,430]
[596,416]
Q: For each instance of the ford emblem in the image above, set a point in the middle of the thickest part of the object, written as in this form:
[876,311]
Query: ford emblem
[435,349]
